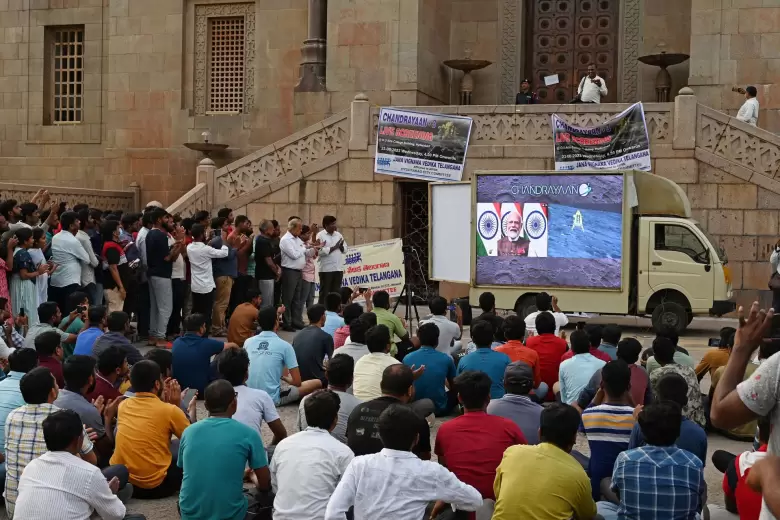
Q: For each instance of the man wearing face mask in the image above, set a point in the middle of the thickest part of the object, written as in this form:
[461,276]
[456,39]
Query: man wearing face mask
[592,87]
[513,243]
[79,374]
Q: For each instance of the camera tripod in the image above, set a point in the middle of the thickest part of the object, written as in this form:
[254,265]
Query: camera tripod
[407,295]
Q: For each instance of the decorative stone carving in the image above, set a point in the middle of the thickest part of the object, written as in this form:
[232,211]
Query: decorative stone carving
[108,200]
[758,150]
[632,36]
[202,15]
[272,163]
[191,202]
[509,19]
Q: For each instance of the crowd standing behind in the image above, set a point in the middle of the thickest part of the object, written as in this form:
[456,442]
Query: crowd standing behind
[88,421]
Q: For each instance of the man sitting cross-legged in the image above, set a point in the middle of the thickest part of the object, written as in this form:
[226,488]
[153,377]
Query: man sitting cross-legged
[658,480]
[269,356]
[439,370]
[144,429]
[517,405]
[307,465]
[112,371]
[254,406]
[545,481]
[213,454]
[61,484]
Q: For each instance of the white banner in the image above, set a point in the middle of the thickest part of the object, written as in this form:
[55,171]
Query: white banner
[378,266]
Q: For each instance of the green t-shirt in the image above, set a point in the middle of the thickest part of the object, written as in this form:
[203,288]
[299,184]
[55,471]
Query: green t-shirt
[73,328]
[394,324]
[213,454]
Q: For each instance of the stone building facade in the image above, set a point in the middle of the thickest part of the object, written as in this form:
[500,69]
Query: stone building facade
[143,77]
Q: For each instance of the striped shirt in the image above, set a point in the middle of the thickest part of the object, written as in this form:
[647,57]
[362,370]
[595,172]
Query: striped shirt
[24,442]
[608,429]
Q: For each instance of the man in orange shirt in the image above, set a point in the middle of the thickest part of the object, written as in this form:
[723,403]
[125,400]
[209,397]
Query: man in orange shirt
[514,332]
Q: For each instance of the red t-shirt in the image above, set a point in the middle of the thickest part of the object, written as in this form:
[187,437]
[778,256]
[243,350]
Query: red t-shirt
[55,365]
[594,351]
[748,501]
[473,446]
[519,352]
[105,388]
[550,349]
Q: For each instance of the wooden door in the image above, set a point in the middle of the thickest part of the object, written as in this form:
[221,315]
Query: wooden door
[563,37]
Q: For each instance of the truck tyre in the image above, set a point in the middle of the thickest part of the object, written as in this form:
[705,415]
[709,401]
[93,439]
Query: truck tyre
[670,315]
[525,306]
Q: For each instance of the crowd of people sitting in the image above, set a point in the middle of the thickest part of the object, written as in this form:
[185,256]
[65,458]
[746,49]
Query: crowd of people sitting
[87,421]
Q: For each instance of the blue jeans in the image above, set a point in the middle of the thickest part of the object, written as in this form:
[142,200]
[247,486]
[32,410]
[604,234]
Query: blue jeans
[608,510]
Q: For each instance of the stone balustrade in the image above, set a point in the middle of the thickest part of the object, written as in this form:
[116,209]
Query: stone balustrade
[126,200]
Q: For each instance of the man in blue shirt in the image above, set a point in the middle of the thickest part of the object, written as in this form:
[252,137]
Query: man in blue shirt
[575,373]
[672,387]
[96,317]
[610,337]
[332,319]
[485,359]
[269,356]
[192,353]
[118,326]
[658,481]
[20,362]
[439,368]
[219,447]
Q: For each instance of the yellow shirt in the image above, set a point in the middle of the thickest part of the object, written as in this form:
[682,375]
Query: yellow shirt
[712,360]
[143,437]
[541,482]
[368,375]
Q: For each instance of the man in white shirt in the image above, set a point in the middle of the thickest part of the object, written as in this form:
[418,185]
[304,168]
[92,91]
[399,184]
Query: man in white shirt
[202,283]
[294,254]
[255,406]
[748,112]
[546,303]
[449,331]
[307,466]
[394,483]
[369,369]
[331,258]
[69,255]
[88,269]
[592,87]
[355,346]
[60,480]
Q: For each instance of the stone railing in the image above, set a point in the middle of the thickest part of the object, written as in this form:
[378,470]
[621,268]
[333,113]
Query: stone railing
[191,202]
[530,124]
[296,156]
[126,200]
[745,151]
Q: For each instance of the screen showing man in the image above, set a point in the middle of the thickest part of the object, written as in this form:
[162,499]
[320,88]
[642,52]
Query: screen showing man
[550,230]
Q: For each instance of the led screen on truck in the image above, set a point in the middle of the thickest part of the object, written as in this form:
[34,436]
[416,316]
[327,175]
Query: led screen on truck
[553,230]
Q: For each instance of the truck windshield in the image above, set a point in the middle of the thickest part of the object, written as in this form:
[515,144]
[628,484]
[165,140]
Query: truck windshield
[722,256]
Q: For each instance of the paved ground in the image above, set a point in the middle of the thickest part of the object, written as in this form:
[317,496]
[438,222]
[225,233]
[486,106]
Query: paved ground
[695,341]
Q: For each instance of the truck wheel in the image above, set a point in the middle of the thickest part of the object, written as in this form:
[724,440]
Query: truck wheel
[525,306]
[670,315]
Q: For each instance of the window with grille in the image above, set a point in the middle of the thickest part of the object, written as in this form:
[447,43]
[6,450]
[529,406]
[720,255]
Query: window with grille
[64,78]
[226,65]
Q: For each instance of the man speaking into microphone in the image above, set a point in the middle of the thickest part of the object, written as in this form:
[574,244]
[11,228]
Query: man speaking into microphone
[513,243]
[592,87]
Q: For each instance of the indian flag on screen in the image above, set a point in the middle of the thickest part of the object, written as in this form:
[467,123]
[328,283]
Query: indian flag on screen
[535,226]
[488,228]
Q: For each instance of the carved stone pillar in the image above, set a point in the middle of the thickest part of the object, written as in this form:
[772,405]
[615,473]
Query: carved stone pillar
[313,51]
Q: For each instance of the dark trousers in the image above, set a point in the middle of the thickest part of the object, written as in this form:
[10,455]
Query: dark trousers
[170,485]
[776,299]
[330,282]
[131,289]
[143,308]
[238,293]
[203,304]
[291,280]
[61,295]
[179,288]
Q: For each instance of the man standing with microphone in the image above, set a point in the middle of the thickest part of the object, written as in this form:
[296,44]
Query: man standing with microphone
[331,257]
[592,87]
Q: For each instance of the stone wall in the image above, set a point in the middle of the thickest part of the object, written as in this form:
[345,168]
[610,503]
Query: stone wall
[666,27]
[737,43]
[475,29]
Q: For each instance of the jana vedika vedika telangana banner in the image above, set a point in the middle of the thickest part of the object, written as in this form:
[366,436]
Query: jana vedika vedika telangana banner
[619,144]
[421,146]
[378,266]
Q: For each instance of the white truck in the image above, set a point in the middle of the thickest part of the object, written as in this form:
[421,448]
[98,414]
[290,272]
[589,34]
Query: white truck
[605,242]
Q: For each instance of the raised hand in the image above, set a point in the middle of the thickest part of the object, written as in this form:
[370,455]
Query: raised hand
[100,403]
[753,329]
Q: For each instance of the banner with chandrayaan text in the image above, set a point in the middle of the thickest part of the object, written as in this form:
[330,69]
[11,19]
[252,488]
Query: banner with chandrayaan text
[618,144]
[431,147]
[378,266]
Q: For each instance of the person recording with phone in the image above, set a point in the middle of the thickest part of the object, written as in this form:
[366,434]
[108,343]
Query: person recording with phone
[592,87]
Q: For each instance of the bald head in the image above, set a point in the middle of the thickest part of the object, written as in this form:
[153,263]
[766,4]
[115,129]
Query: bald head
[396,380]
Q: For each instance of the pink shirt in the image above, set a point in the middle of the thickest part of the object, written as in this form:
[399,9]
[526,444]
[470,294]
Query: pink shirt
[308,269]
[340,336]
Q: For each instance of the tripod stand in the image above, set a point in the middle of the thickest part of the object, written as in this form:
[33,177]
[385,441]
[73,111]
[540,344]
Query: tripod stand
[406,292]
